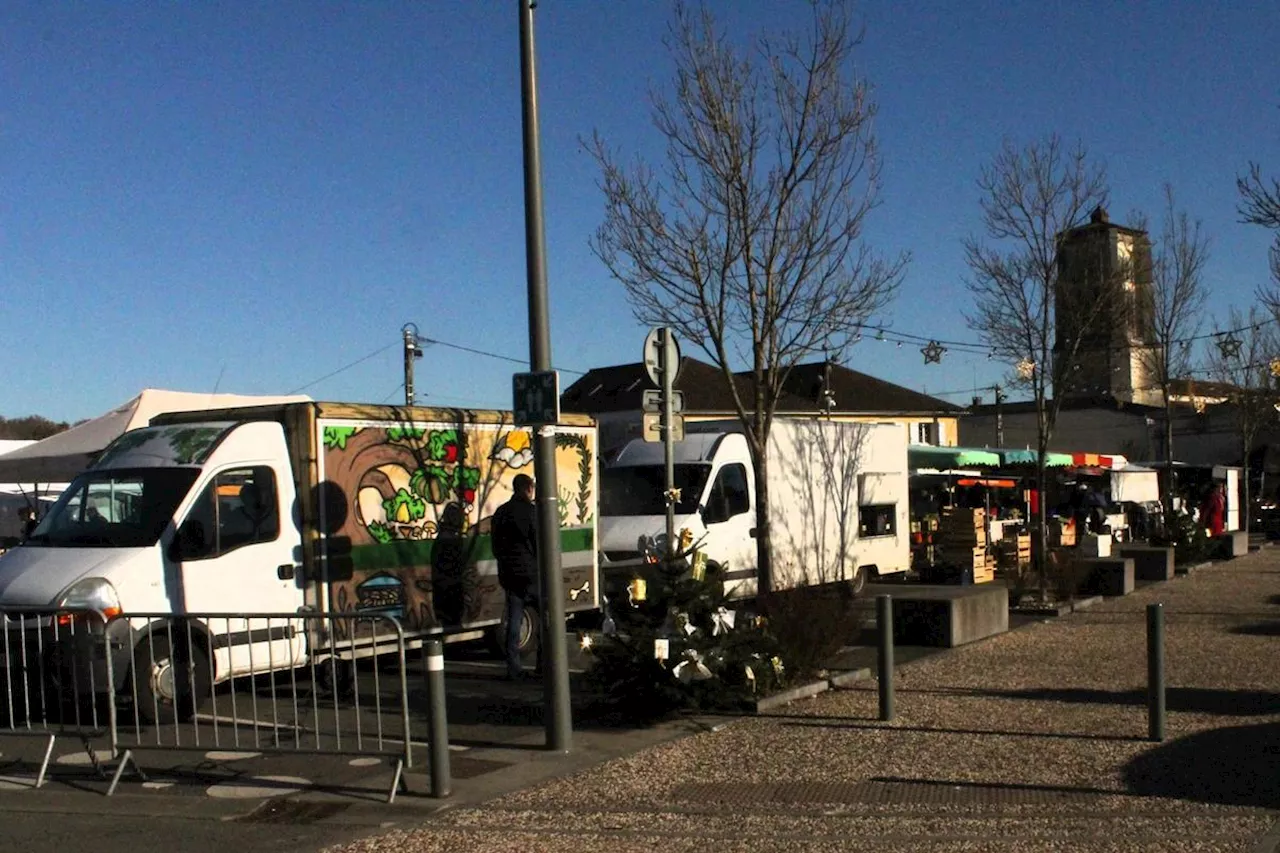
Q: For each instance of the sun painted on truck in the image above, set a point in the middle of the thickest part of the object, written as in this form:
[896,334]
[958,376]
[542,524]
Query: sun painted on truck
[410,508]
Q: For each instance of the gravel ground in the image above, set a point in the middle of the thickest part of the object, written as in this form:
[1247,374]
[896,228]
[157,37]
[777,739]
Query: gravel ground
[1034,740]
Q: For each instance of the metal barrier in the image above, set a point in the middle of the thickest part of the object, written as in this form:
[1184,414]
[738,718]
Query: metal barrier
[53,676]
[283,682]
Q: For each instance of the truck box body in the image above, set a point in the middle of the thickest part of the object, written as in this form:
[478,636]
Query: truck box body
[398,501]
[837,500]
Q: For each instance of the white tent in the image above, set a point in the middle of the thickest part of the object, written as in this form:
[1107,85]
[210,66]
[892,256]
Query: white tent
[59,458]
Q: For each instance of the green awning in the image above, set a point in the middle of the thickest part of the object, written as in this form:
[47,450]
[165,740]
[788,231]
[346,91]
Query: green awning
[1028,457]
[946,458]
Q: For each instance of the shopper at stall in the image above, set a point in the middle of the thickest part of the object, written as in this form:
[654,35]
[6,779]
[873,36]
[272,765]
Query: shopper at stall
[1213,510]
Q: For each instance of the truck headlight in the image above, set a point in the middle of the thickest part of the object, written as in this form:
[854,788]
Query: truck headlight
[90,594]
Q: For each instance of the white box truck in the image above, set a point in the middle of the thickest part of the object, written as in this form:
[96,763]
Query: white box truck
[837,502]
[322,507]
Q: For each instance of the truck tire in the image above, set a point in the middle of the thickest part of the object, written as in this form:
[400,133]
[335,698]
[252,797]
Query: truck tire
[861,576]
[168,679]
[529,635]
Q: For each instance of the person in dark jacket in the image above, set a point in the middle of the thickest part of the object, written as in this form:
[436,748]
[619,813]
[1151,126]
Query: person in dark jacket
[515,547]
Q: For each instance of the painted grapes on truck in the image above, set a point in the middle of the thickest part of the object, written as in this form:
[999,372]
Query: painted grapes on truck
[415,510]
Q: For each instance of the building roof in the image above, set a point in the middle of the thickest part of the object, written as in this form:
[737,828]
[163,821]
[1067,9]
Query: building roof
[1069,404]
[621,387]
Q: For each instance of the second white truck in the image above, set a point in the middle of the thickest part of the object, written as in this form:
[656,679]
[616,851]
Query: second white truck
[837,496]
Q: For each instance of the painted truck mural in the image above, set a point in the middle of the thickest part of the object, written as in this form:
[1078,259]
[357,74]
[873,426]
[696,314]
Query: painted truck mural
[410,507]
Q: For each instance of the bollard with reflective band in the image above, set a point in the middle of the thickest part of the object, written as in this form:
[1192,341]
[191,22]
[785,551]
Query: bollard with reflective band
[438,724]
[1155,672]
[884,622]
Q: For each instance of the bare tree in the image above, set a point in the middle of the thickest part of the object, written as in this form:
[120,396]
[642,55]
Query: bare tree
[1176,302]
[1247,370]
[1260,205]
[1030,199]
[748,239]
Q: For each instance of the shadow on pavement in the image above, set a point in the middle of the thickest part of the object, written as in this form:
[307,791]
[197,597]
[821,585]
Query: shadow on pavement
[1259,629]
[1196,700]
[1236,766]
[830,723]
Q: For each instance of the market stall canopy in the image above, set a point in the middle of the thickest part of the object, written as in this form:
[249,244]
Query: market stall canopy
[1107,461]
[1028,457]
[61,457]
[946,458]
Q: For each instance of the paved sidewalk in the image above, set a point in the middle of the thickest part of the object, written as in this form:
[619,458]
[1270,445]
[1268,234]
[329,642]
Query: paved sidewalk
[1034,740]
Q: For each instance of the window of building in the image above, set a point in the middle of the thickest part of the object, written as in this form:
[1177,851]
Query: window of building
[238,508]
[877,520]
[926,433]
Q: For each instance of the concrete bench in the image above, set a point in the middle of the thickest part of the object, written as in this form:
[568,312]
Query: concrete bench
[1233,544]
[1107,575]
[946,616]
[1150,562]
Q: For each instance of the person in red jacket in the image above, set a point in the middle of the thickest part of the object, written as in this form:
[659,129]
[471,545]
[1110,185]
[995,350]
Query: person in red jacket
[1213,510]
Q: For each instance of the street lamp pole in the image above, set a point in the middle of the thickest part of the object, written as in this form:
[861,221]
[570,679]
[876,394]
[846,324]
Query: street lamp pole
[559,722]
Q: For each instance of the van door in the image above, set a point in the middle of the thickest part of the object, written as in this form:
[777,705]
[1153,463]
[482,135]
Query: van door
[239,552]
[729,520]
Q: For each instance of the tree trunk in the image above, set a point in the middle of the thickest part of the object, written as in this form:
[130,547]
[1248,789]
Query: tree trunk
[764,564]
[1168,460]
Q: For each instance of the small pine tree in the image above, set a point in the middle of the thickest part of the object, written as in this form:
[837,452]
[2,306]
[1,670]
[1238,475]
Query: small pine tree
[716,657]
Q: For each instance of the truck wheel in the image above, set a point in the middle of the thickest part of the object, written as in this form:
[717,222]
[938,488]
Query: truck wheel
[336,678]
[529,637]
[859,582]
[168,679]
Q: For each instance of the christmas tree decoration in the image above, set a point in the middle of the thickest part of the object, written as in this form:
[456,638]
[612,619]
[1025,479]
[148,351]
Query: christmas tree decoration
[1026,368]
[684,645]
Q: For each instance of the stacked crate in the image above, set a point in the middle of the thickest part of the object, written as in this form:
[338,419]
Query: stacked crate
[1013,554]
[963,537]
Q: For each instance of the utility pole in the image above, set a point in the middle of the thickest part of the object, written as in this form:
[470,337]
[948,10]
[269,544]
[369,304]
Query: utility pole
[412,352]
[555,656]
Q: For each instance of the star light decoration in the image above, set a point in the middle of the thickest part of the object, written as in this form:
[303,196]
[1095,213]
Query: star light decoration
[1275,367]
[1228,345]
[933,352]
[1026,368]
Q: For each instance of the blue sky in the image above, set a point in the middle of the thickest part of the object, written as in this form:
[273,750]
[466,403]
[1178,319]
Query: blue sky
[249,197]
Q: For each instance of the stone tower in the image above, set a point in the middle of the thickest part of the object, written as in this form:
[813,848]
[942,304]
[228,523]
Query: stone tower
[1104,295]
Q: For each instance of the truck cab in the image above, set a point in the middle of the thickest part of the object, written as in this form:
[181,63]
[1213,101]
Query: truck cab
[713,472]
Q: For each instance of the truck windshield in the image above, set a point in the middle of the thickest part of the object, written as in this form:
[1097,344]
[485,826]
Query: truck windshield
[637,489]
[120,508]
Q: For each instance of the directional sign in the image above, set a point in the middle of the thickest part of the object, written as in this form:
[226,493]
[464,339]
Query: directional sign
[653,427]
[653,354]
[652,400]
[536,398]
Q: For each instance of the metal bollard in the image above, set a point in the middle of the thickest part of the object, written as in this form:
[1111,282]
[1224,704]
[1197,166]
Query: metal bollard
[1155,672]
[438,722]
[884,622]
